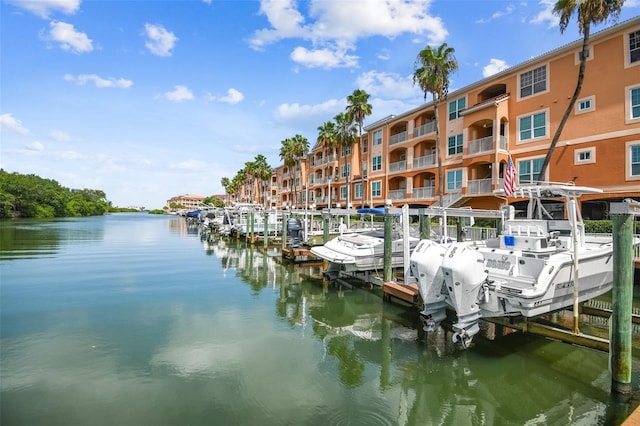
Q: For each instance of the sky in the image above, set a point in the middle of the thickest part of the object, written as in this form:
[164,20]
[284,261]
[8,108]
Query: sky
[151,99]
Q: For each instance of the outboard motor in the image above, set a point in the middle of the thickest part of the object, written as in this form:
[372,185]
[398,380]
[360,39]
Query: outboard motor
[294,232]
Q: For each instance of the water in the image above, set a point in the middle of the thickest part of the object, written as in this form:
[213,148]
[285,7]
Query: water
[131,319]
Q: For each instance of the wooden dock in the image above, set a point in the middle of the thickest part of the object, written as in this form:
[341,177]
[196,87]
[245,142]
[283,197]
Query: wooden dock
[406,292]
[298,255]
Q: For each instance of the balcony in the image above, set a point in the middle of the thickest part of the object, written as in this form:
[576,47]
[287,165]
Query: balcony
[425,129]
[330,158]
[484,145]
[424,192]
[425,161]
[398,194]
[479,186]
[398,137]
[398,166]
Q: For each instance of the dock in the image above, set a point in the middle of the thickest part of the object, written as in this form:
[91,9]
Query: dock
[406,292]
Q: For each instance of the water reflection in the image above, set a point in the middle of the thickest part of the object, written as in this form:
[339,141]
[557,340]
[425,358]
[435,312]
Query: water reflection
[213,331]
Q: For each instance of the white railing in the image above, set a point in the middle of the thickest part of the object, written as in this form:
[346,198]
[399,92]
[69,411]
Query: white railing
[398,137]
[398,166]
[398,194]
[424,192]
[477,146]
[425,161]
[479,186]
[503,142]
[426,128]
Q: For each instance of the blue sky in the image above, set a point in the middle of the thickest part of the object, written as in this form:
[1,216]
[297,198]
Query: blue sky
[150,99]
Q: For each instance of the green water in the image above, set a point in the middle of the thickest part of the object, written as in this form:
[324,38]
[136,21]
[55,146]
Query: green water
[133,319]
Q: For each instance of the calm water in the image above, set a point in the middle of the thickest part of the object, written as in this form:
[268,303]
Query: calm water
[131,319]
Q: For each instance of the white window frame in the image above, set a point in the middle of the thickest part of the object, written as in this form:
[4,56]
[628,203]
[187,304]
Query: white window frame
[458,147]
[373,163]
[345,170]
[457,108]
[457,183]
[531,115]
[590,54]
[628,160]
[627,104]
[579,105]
[533,71]
[357,189]
[627,48]
[532,176]
[591,152]
[379,192]
[377,137]
[343,192]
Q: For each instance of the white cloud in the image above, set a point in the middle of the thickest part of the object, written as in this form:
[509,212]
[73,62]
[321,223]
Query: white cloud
[546,14]
[68,38]
[332,29]
[180,93]
[309,113]
[43,8]
[233,96]
[160,42]
[100,82]
[193,165]
[323,58]
[388,85]
[494,67]
[59,135]
[12,124]
[508,10]
[35,146]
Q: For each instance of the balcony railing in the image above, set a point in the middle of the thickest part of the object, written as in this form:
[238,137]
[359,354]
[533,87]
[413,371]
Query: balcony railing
[398,166]
[424,192]
[398,137]
[485,144]
[479,186]
[398,194]
[425,161]
[329,158]
[425,129]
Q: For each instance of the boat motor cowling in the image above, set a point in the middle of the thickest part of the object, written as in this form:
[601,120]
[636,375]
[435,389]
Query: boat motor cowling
[294,232]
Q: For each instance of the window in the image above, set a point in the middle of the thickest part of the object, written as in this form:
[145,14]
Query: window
[528,170]
[534,81]
[345,170]
[454,145]
[635,103]
[376,189]
[634,47]
[312,179]
[343,192]
[377,137]
[313,161]
[365,145]
[376,163]
[634,157]
[454,179]
[346,150]
[456,107]
[358,190]
[585,156]
[533,126]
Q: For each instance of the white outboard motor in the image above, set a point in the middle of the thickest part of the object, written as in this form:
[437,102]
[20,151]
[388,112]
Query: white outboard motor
[464,274]
[425,263]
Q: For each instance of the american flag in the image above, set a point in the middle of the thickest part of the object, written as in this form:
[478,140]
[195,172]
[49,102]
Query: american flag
[510,178]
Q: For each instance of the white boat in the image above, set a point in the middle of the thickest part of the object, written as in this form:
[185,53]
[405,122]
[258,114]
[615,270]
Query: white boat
[360,251]
[531,269]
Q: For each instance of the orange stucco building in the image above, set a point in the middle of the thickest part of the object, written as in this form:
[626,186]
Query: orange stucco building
[515,112]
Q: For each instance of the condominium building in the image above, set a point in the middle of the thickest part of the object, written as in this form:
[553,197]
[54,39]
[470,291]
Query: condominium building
[187,201]
[514,113]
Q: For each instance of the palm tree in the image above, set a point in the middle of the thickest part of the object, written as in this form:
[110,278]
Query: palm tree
[357,110]
[346,137]
[328,138]
[588,12]
[262,172]
[225,182]
[291,152]
[431,72]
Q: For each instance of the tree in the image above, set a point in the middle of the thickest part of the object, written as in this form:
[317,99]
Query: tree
[262,171]
[346,138]
[291,152]
[589,12]
[357,110]
[431,72]
[225,182]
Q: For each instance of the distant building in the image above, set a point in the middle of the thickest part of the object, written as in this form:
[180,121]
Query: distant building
[189,202]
